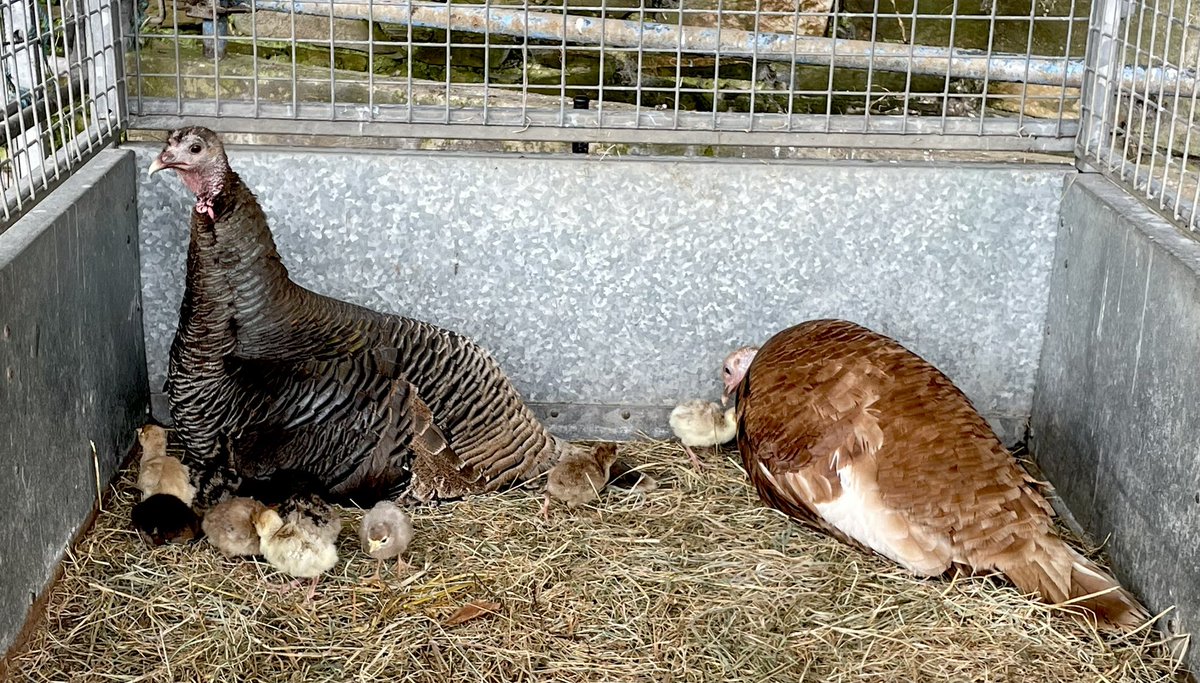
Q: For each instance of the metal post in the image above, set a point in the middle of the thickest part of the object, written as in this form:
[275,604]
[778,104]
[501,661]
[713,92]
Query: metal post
[580,102]
[101,55]
[1101,77]
[214,30]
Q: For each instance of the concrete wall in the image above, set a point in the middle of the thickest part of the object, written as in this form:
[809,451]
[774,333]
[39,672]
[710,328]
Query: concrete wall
[613,287]
[1115,419]
[72,369]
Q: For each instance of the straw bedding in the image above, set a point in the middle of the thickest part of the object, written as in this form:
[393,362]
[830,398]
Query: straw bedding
[694,581]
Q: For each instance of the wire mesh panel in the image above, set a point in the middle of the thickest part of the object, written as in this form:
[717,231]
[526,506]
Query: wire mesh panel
[938,73]
[61,92]
[1139,111]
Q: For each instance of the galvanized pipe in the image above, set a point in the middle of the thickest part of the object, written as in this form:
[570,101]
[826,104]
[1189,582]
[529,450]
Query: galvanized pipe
[728,42]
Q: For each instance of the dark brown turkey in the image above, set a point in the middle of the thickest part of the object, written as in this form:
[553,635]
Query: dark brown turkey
[266,376]
[846,430]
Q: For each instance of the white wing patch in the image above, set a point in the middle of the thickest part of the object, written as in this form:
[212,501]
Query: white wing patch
[860,513]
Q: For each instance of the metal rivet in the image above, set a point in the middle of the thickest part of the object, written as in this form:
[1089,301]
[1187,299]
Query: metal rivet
[624,414]
[6,333]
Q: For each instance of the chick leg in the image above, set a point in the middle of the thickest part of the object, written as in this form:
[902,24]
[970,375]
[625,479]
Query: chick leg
[312,590]
[692,454]
[545,511]
[401,567]
[375,579]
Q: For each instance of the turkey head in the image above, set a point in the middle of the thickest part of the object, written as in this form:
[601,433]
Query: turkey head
[734,369]
[198,156]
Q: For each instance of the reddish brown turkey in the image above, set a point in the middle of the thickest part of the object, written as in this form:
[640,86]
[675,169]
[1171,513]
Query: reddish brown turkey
[846,430]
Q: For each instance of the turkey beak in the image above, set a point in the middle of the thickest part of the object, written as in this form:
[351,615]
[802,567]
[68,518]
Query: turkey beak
[724,397]
[158,164]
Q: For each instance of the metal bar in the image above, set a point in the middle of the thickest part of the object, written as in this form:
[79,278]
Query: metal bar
[632,128]
[853,54]
[25,118]
[1102,59]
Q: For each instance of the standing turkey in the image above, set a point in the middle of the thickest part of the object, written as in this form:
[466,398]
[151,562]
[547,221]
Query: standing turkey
[852,433]
[266,376]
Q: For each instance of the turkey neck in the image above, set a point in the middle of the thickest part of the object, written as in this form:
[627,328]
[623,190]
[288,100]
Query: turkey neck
[239,298]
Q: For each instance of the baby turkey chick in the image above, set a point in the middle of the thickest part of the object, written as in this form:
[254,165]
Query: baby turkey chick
[230,526]
[386,532]
[159,472]
[579,477]
[701,424]
[300,539]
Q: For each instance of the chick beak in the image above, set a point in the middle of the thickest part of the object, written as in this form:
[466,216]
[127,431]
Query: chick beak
[374,544]
[158,164]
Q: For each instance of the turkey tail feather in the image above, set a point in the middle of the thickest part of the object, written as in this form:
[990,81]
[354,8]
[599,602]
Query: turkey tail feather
[1059,574]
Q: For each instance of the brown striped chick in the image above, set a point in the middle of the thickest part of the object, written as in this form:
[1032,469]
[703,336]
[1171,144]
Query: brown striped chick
[386,532]
[302,541]
[702,424]
[229,526]
[159,472]
[579,477]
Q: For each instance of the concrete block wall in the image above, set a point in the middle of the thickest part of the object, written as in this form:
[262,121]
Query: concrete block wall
[72,369]
[1116,423]
[611,289]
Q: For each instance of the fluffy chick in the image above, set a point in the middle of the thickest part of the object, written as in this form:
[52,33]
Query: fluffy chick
[386,532]
[159,472]
[296,544]
[163,518]
[702,424]
[578,477]
[230,526]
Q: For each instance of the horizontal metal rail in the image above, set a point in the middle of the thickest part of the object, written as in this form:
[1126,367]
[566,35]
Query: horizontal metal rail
[57,99]
[728,42]
[649,127]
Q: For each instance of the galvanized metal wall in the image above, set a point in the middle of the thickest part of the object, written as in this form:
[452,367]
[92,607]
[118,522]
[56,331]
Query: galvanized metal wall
[1115,420]
[72,369]
[610,290]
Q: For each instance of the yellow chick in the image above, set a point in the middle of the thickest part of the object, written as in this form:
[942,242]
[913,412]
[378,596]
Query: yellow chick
[299,543]
[702,424]
[230,526]
[159,472]
[579,477]
[386,532]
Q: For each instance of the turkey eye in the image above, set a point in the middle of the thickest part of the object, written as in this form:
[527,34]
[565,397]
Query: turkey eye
[195,149]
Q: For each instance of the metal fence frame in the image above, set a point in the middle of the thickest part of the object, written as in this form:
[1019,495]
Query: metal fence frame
[1141,134]
[59,110]
[642,125]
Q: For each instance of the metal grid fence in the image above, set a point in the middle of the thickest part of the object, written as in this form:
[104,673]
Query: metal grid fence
[61,93]
[967,74]
[1139,109]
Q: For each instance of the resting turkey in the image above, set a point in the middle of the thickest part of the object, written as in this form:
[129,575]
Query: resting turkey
[267,376]
[849,431]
